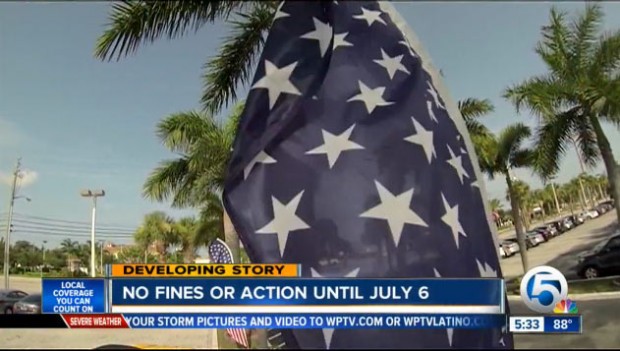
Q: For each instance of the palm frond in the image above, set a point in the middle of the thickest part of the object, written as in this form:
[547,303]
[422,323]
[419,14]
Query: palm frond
[179,131]
[585,141]
[471,109]
[583,34]
[552,138]
[236,57]
[606,56]
[542,95]
[133,23]
[510,141]
[553,47]
[171,179]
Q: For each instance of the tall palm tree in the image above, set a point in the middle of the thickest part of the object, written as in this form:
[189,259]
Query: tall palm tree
[196,178]
[134,23]
[577,93]
[506,155]
[472,110]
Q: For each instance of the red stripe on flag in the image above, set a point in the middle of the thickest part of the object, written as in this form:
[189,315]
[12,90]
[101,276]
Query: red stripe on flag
[240,336]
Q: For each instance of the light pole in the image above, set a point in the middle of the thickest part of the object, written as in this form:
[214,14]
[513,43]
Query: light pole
[7,239]
[94,194]
[43,264]
[101,256]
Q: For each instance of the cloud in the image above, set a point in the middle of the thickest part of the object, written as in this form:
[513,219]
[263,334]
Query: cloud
[9,133]
[26,178]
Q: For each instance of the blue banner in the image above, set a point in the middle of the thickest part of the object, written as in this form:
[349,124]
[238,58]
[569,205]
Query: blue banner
[66,295]
[313,321]
[563,324]
[326,292]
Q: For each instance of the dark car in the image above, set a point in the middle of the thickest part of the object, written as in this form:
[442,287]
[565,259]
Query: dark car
[548,231]
[8,297]
[603,260]
[530,241]
[577,219]
[30,304]
[560,226]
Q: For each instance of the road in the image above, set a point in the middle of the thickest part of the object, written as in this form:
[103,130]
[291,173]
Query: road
[600,317]
[562,251]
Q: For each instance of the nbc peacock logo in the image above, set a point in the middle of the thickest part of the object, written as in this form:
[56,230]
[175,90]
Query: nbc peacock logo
[566,306]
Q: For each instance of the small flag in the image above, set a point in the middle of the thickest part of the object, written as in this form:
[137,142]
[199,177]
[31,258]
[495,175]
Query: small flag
[220,253]
[351,160]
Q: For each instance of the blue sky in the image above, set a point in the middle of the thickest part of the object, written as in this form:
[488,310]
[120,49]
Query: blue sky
[79,123]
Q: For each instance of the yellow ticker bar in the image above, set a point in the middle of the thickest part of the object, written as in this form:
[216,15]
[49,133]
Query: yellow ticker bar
[205,270]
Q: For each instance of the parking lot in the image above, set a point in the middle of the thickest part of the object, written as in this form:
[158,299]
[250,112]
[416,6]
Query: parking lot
[560,252]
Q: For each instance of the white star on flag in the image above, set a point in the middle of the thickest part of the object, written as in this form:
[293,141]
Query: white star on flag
[323,33]
[424,138]
[486,271]
[277,81]
[284,220]
[431,113]
[280,13]
[370,16]
[395,210]
[451,218]
[391,64]
[328,333]
[262,157]
[370,97]
[406,44]
[433,92]
[334,145]
[339,40]
[457,163]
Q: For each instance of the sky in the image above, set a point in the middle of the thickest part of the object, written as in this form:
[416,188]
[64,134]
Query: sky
[78,122]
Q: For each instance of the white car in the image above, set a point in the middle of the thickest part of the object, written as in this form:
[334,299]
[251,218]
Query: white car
[590,214]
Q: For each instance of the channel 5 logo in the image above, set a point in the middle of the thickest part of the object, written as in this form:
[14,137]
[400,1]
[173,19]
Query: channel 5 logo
[542,288]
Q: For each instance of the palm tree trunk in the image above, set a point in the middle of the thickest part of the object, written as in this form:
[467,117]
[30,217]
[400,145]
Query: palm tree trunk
[610,162]
[514,203]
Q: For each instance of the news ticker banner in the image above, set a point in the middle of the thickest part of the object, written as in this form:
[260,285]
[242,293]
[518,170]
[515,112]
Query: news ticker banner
[268,295]
[554,324]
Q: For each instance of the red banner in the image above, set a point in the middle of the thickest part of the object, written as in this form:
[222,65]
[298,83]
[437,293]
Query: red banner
[92,321]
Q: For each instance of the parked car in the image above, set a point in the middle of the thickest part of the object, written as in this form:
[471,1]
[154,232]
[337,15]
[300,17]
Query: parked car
[602,208]
[568,223]
[529,241]
[536,238]
[603,259]
[510,247]
[548,231]
[577,219]
[560,226]
[590,214]
[30,304]
[8,297]
[502,252]
[609,203]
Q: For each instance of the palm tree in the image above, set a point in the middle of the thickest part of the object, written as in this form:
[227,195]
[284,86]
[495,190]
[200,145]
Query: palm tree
[134,23]
[196,178]
[578,92]
[472,110]
[157,230]
[508,154]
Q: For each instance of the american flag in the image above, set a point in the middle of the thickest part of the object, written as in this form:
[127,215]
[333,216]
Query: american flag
[351,160]
[220,253]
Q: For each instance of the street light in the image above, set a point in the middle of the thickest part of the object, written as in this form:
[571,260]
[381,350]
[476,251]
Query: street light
[94,194]
[7,239]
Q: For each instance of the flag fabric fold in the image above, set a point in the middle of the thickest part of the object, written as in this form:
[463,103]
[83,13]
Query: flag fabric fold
[352,161]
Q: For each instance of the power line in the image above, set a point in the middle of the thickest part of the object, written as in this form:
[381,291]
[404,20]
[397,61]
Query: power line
[69,227]
[45,233]
[47,219]
[17,226]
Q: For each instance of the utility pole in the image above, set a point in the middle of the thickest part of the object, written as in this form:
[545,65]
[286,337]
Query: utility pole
[555,197]
[101,256]
[94,194]
[43,264]
[7,238]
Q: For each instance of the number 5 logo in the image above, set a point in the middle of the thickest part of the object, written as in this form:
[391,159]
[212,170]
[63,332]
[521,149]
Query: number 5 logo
[542,288]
